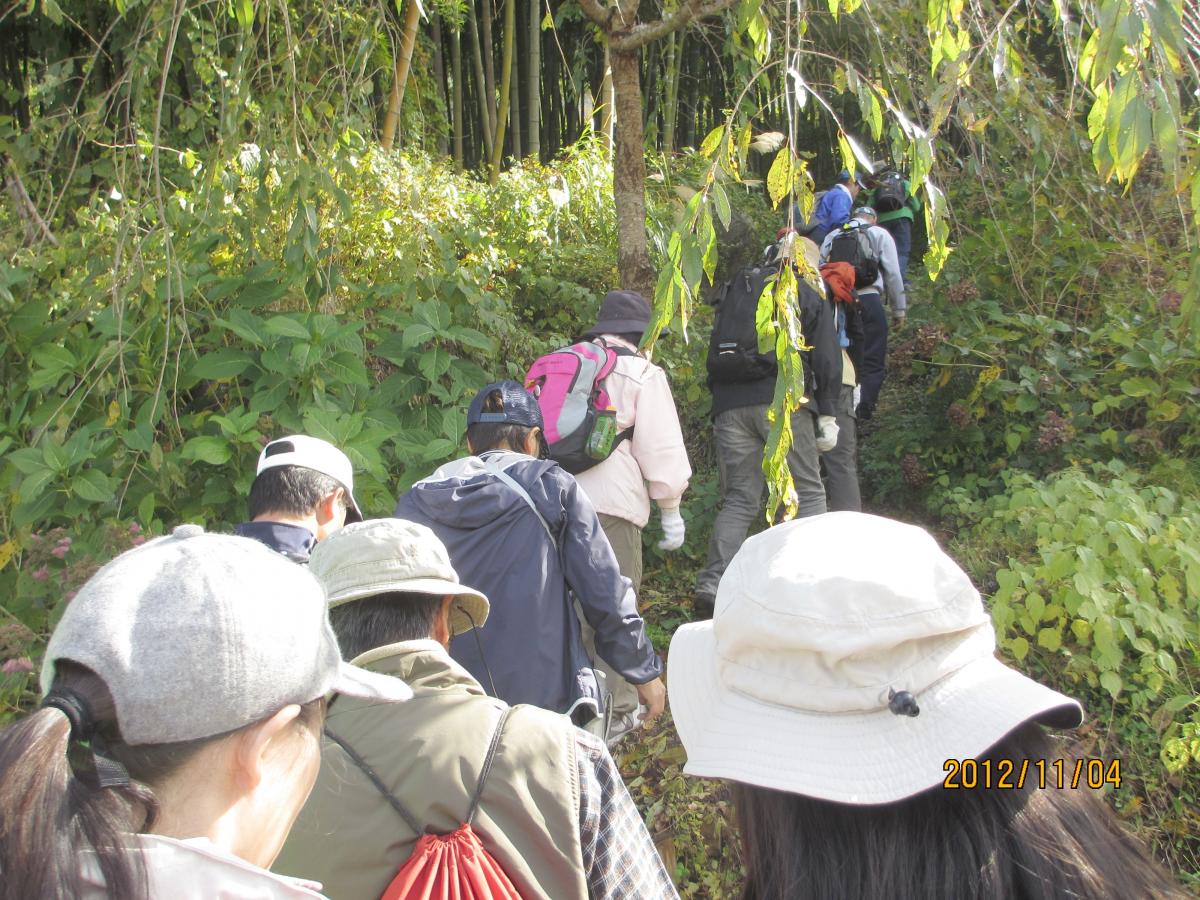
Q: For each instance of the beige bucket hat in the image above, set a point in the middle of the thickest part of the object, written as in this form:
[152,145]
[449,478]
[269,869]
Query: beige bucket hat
[847,660]
[382,555]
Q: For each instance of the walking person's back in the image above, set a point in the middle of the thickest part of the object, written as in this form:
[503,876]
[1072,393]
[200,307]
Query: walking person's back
[521,529]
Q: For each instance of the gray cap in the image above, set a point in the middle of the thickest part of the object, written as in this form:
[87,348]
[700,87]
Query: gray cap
[865,211]
[384,555]
[199,634]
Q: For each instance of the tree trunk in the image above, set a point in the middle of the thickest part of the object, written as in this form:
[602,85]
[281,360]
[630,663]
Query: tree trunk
[457,87]
[439,73]
[510,28]
[391,119]
[608,101]
[514,96]
[489,65]
[671,87]
[629,176]
[533,102]
[487,126]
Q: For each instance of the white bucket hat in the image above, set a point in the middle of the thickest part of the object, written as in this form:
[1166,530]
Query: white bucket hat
[382,555]
[817,623]
[313,453]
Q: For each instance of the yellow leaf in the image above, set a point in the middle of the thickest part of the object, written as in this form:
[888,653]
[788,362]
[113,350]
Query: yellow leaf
[7,550]
[779,178]
[114,413]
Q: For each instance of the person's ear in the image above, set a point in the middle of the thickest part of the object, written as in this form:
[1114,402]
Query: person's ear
[253,744]
[532,441]
[441,622]
[331,506]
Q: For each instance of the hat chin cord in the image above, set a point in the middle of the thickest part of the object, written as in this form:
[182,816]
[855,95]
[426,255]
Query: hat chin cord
[479,645]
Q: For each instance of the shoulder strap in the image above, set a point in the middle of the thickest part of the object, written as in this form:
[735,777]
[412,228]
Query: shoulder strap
[487,765]
[520,491]
[409,819]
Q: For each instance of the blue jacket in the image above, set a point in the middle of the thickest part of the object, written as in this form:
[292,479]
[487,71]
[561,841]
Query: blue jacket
[497,544]
[833,210]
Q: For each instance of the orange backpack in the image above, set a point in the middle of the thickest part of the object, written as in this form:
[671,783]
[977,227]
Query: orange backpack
[453,866]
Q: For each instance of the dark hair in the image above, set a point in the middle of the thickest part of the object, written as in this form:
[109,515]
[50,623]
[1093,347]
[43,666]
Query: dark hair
[290,491]
[484,436]
[981,843]
[51,815]
[363,625]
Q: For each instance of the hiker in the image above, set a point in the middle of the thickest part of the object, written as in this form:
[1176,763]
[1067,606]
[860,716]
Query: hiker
[652,464]
[834,207]
[520,529]
[839,464]
[184,692]
[852,699]
[303,491]
[551,812]
[742,382]
[877,276]
[896,204]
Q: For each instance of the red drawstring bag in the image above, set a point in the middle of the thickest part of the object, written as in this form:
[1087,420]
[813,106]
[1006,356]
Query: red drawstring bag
[454,866]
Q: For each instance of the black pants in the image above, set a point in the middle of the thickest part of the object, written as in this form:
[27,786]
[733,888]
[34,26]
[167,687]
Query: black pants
[874,355]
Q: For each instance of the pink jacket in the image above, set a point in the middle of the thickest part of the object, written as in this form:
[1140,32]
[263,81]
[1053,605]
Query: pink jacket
[653,464]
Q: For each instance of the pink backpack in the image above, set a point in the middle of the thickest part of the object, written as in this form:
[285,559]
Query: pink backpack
[579,419]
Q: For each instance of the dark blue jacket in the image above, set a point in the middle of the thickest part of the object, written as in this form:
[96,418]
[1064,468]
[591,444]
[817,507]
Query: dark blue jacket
[293,541]
[531,641]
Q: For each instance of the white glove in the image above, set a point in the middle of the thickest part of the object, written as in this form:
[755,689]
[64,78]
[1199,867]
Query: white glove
[857,395]
[827,433]
[673,530]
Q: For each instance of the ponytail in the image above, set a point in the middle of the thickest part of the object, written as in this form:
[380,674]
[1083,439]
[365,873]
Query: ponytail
[67,798]
[51,816]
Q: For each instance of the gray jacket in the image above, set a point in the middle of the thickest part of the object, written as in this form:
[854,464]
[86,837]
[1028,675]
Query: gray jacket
[531,644]
[889,284]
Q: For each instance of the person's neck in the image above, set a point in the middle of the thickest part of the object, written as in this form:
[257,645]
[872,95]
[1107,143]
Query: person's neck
[309,522]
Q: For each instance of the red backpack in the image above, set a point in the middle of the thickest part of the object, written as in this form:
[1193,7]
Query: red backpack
[453,866]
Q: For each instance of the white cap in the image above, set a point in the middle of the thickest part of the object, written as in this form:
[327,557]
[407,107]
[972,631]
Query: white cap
[318,455]
[817,622]
[198,634]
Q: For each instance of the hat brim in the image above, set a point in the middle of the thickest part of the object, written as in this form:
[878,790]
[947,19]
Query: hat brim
[355,682]
[469,609]
[855,758]
[617,326]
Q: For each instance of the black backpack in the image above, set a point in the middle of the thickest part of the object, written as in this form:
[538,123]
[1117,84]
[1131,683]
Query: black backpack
[890,194]
[733,355]
[851,245]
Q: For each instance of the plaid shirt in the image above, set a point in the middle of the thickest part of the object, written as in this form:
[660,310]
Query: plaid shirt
[618,855]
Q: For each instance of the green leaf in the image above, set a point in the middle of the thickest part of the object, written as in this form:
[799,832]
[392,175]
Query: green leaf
[469,337]
[1019,648]
[1111,682]
[1050,638]
[1139,387]
[208,449]
[145,509]
[417,334]
[228,362]
[434,313]
[54,356]
[92,485]
[433,363]
[286,326]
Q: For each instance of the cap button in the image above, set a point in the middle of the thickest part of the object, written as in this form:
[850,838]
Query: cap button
[187,531]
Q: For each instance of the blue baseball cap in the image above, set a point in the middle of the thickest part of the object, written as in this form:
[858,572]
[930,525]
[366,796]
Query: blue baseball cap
[519,406]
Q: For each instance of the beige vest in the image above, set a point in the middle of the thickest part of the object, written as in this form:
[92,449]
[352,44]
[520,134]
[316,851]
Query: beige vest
[429,751]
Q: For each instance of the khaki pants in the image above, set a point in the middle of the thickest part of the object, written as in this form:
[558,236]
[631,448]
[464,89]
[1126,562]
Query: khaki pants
[626,540]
